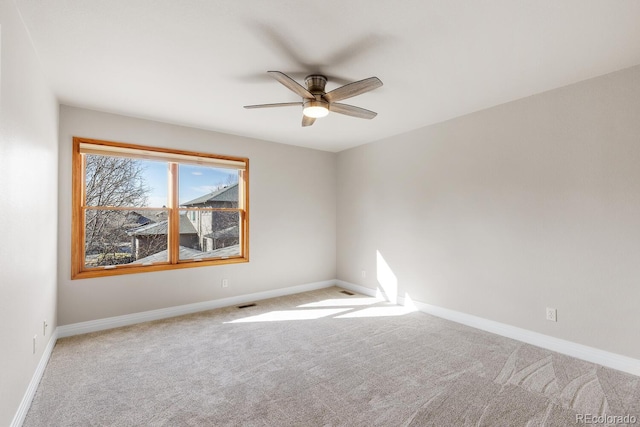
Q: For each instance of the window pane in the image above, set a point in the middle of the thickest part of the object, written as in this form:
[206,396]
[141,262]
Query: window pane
[124,195]
[123,182]
[116,237]
[202,186]
[209,234]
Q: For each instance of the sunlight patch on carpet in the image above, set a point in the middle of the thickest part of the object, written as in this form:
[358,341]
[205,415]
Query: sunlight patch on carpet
[341,302]
[395,310]
[283,315]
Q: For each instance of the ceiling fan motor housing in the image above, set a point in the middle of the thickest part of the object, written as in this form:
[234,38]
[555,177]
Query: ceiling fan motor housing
[317,107]
[318,102]
[315,83]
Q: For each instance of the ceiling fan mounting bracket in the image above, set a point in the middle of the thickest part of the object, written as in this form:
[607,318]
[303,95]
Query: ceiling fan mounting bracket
[315,83]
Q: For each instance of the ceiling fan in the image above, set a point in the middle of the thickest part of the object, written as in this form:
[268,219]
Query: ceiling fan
[317,103]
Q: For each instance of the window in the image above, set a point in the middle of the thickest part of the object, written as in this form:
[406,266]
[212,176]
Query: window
[138,208]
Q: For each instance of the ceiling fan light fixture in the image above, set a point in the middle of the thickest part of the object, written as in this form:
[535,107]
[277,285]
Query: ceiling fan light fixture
[317,103]
[315,109]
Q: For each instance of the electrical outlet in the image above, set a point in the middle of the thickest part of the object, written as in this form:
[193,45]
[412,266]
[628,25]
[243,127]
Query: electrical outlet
[364,274]
[552,314]
[44,328]
[225,283]
[34,343]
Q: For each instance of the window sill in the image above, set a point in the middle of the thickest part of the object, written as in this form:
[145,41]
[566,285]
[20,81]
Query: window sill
[129,269]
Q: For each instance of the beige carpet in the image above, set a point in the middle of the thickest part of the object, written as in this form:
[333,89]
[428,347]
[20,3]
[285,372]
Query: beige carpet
[320,358]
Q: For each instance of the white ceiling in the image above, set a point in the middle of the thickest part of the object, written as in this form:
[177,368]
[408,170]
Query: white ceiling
[197,62]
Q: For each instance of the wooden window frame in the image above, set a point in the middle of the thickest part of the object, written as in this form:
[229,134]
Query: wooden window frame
[78,267]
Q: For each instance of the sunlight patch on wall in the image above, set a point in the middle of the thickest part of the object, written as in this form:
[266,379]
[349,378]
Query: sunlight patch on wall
[408,302]
[387,280]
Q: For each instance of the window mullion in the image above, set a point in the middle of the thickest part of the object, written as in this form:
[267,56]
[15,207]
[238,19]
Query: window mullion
[174,215]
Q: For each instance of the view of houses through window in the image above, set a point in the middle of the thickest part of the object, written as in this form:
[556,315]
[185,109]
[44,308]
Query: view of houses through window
[127,204]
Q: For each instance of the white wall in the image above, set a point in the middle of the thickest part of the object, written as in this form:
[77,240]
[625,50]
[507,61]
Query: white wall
[292,221]
[28,210]
[501,213]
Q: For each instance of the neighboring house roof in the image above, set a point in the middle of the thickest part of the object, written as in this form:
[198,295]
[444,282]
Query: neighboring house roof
[227,194]
[160,228]
[188,253]
[136,219]
[227,233]
[232,250]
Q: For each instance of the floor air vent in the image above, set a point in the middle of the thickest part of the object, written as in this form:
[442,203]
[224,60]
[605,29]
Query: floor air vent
[247,305]
[347,293]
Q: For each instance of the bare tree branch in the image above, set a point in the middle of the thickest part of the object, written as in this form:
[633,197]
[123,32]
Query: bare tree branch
[113,182]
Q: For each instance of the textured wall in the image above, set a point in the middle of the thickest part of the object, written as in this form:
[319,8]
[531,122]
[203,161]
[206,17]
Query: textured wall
[292,221]
[501,213]
[28,210]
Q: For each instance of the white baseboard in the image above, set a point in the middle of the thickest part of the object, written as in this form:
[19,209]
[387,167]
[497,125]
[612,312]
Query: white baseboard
[25,404]
[359,289]
[579,351]
[163,313]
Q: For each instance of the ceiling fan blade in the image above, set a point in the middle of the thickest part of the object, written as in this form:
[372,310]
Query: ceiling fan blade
[307,121]
[281,104]
[351,110]
[353,89]
[291,84]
